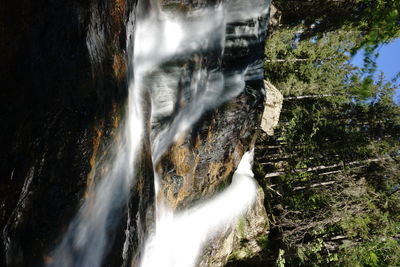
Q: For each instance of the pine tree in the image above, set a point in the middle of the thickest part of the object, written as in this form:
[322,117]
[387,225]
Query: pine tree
[330,173]
[310,66]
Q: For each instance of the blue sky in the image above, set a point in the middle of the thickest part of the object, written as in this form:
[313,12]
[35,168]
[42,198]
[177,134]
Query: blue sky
[388,62]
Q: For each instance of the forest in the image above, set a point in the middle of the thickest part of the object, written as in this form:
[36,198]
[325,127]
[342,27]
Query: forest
[331,171]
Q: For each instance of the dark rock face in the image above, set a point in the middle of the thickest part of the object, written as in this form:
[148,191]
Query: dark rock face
[63,90]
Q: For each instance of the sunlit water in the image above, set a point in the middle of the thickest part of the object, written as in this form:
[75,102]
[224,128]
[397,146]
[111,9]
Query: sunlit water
[179,237]
[169,58]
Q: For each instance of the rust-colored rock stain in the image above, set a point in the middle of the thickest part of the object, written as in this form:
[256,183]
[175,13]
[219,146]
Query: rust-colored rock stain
[96,144]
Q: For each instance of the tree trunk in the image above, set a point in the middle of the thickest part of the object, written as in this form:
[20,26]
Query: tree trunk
[308,96]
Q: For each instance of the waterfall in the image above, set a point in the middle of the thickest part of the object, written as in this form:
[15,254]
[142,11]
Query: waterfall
[90,233]
[169,58]
[179,237]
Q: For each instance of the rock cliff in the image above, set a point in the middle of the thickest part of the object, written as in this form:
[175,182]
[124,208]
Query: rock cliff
[63,75]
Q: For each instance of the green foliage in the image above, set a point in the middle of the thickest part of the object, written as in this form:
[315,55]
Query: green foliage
[372,253]
[377,22]
[339,155]
[263,242]
[381,22]
[242,226]
[309,66]
[281,259]
[334,197]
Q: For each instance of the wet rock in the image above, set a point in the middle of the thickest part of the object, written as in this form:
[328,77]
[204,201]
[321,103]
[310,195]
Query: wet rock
[207,158]
[242,242]
[63,74]
[63,79]
[208,155]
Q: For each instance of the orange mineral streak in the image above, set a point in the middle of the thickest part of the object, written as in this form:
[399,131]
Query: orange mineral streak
[118,10]
[197,142]
[209,135]
[116,116]
[214,171]
[48,259]
[119,67]
[117,26]
[179,157]
[186,162]
[117,15]
[96,144]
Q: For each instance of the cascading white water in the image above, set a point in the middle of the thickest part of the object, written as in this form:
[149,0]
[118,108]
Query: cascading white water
[183,39]
[179,237]
[91,232]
